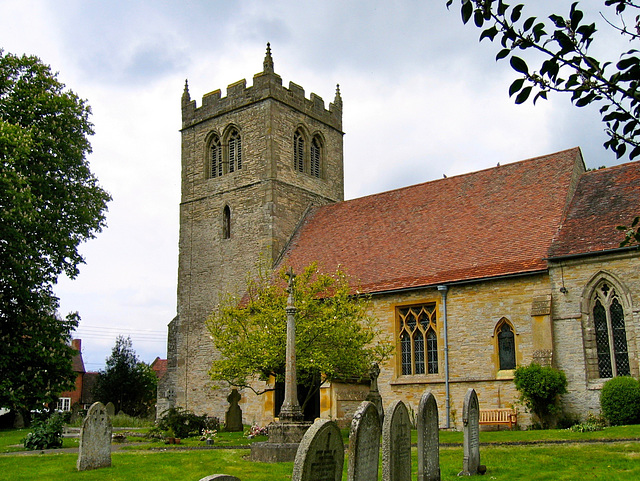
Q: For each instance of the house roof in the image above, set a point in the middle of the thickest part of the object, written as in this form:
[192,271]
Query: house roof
[494,222]
[604,199]
[159,366]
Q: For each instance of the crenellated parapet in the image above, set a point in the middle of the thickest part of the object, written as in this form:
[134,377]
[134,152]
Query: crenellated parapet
[266,85]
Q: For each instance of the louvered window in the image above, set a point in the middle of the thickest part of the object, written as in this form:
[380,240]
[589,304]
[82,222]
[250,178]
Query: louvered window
[611,336]
[226,222]
[418,340]
[235,151]
[298,151]
[215,152]
[316,154]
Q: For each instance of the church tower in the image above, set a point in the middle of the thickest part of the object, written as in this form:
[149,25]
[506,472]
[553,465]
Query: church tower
[253,163]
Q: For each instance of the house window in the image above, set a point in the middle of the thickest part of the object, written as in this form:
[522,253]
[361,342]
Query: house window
[235,151]
[611,336]
[506,346]
[226,222]
[298,151]
[215,154]
[418,340]
[316,156]
[64,404]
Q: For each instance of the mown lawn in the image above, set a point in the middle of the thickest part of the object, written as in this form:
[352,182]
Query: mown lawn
[571,461]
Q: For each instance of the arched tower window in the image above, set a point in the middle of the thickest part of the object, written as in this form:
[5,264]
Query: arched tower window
[226,222]
[316,156]
[235,151]
[611,336]
[215,157]
[506,345]
[298,151]
[418,340]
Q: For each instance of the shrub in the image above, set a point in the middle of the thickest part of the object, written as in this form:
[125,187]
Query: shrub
[184,423]
[620,401]
[540,390]
[45,433]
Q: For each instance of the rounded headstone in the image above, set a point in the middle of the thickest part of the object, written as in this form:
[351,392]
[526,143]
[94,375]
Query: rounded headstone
[364,443]
[396,443]
[320,456]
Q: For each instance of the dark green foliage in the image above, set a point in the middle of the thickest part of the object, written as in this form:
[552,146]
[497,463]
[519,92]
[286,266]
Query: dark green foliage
[620,401]
[46,433]
[183,423]
[50,202]
[126,382]
[540,390]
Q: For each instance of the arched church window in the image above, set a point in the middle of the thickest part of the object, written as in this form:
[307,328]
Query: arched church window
[226,222]
[298,151]
[418,340]
[215,157]
[611,336]
[316,156]
[235,151]
[506,346]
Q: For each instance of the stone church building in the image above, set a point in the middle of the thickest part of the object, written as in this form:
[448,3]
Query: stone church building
[470,275]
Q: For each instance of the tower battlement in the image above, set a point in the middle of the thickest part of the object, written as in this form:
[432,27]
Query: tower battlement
[266,85]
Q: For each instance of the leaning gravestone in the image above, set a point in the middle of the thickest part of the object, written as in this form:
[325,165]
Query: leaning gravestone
[471,426]
[364,443]
[233,416]
[396,443]
[111,409]
[95,439]
[428,439]
[320,456]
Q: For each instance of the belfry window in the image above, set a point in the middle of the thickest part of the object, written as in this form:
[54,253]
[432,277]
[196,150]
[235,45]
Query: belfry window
[418,340]
[298,151]
[316,155]
[611,336]
[235,151]
[506,346]
[215,157]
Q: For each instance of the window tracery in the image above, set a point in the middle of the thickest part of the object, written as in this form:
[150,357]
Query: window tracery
[610,332]
[418,340]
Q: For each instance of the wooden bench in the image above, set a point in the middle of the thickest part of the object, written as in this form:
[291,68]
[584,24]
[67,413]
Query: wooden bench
[499,416]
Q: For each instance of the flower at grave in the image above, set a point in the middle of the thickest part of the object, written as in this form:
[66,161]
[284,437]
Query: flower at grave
[256,430]
[208,434]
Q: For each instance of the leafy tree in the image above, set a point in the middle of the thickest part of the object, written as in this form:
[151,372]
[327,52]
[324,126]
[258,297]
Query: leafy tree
[567,66]
[126,381]
[540,390]
[336,337]
[50,202]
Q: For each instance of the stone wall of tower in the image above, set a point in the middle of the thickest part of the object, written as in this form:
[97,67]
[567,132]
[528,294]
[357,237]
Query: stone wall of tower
[267,199]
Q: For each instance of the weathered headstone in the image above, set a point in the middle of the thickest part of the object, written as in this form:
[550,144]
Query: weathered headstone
[374,394]
[428,439]
[233,416]
[396,443]
[471,427]
[95,439]
[320,456]
[111,409]
[364,443]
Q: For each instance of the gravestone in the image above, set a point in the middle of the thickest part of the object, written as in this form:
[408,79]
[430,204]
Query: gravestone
[428,439]
[396,443]
[320,456]
[220,477]
[471,426]
[75,413]
[95,439]
[233,417]
[111,409]
[364,443]
[374,395]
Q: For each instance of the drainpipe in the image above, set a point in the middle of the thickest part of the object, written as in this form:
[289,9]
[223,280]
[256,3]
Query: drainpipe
[443,290]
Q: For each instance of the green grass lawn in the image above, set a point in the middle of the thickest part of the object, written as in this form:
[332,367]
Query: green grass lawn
[571,461]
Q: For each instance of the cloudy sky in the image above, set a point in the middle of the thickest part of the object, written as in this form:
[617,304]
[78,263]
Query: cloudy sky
[422,98]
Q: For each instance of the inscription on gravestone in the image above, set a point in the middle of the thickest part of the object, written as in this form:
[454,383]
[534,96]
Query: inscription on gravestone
[320,456]
[95,439]
[428,439]
[471,426]
[364,443]
[396,443]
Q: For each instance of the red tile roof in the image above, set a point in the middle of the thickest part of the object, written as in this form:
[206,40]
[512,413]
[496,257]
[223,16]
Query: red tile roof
[493,222]
[605,198]
[159,366]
